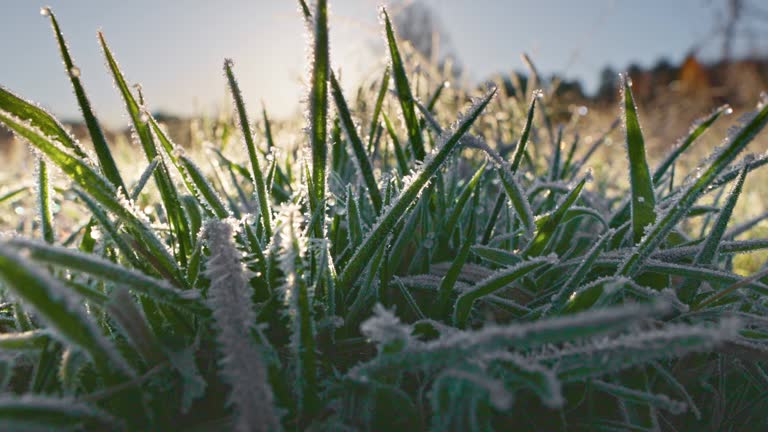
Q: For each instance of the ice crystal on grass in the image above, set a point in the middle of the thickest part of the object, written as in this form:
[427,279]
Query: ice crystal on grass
[241,365]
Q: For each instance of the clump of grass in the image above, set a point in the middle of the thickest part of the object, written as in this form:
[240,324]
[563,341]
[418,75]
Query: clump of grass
[429,278]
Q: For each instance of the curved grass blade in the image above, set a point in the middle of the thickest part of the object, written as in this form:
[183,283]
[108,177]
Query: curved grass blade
[643,200]
[524,135]
[377,107]
[518,199]
[363,163]
[490,285]
[735,144]
[581,272]
[458,209]
[39,118]
[103,153]
[107,271]
[203,188]
[32,340]
[140,119]
[55,305]
[397,209]
[448,282]
[547,224]
[708,252]
[256,173]
[404,94]
[38,412]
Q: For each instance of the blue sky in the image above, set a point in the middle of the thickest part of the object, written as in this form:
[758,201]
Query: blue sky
[175,49]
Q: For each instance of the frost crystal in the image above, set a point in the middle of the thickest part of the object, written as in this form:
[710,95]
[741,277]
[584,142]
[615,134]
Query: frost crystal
[230,300]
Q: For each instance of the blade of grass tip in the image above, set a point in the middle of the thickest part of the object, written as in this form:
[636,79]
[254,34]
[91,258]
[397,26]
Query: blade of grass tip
[708,251]
[44,201]
[103,153]
[267,128]
[436,95]
[643,202]
[140,120]
[402,161]
[318,110]
[701,126]
[525,134]
[58,308]
[40,119]
[490,285]
[144,178]
[519,201]
[539,82]
[720,160]
[411,191]
[363,163]
[377,108]
[554,169]
[546,225]
[256,173]
[305,9]
[404,94]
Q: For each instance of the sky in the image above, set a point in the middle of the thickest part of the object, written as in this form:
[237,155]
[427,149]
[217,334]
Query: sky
[175,49]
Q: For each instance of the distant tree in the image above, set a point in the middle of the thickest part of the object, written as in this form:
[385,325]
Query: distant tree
[417,23]
[606,90]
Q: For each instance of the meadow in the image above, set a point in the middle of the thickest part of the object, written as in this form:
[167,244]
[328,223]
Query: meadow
[413,256]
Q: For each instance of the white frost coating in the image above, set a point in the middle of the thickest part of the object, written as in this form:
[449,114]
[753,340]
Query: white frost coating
[230,300]
[79,329]
[497,393]
[385,328]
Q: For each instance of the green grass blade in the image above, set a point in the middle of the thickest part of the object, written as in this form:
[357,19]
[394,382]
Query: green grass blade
[39,412]
[256,173]
[39,118]
[524,135]
[144,178]
[518,199]
[318,110]
[720,160]
[390,216]
[404,94]
[140,121]
[108,271]
[640,397]
[547,224]
[361,157]
[44,201]
[490,285]
[402,161]
[708,252]
[643,200]
[448,282]
[377,108]
[453,219]
[203,188]
[58,308]
[103,153]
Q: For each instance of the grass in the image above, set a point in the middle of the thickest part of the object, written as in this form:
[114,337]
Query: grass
[463,272]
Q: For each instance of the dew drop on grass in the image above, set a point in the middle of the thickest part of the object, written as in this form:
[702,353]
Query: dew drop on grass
[19,210]
[270,157]
[74,71]
[728,110]
[45,11]
[447,84]
[95,233]
[144,117]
